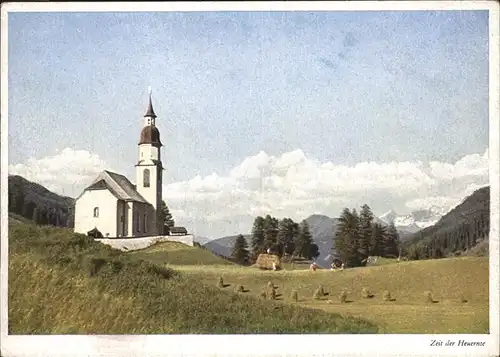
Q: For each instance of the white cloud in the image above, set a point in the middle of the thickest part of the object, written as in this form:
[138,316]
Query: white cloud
[470,165]
[66,168]
[297,186]
[287,185]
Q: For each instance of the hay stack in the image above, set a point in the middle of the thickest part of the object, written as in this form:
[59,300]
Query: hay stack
[265,261]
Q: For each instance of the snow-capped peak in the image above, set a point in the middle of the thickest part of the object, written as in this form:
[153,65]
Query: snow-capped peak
[414,221]
[388,216]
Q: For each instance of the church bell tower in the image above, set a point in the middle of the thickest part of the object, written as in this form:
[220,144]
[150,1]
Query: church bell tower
[149,168]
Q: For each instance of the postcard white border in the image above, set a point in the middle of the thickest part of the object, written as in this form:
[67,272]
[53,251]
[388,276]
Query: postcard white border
[262,345]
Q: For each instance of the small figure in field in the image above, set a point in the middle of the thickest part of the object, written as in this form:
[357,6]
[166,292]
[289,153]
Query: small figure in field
[312,267]
[268,250]
[342,266]
[274,266]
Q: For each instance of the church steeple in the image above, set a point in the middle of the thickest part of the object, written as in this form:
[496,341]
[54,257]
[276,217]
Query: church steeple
[150,113]
[150,133]
[149,168]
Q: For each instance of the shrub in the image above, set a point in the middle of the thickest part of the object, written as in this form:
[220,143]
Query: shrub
[116,266]
[365,293]
[343,296]
[317,295]
[165,273]
[294,296]
[428,297]
[220,283]
[239,288]
[386,296]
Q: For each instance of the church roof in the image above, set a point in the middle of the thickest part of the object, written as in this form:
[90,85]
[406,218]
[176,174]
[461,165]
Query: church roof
[150,135]
[118,185]
[178,230]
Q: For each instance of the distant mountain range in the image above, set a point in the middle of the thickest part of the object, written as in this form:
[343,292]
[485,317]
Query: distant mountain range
[34,202]
[321,226]
[414,221]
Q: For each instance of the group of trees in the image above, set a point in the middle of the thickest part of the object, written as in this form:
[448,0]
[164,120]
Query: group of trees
[282,237]
[41,212]
[358,236]
[450,241]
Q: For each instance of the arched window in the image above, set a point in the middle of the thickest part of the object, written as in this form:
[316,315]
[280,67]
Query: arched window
[145,223]
[96,211]
[146,179]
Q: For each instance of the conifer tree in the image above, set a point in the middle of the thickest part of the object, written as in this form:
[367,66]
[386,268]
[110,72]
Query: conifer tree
[346,236]
[168,221]
[288,230]
[304,241]
[377,239]
[270,231]
[257,237]
[240,252]
[365,232]
[391,248]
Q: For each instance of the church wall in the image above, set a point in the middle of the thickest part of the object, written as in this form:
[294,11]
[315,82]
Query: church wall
[141,213]
[149,193]
[106,203]
[122,219]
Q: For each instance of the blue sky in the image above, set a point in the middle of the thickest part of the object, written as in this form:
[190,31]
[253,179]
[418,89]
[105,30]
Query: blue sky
[340,87]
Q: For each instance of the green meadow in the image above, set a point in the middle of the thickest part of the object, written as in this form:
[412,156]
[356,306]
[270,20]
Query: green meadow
[64,283]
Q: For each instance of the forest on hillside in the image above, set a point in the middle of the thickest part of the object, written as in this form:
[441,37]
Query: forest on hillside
[459,230]
[39,205]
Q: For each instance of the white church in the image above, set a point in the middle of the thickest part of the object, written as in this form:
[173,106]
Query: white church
[115,207]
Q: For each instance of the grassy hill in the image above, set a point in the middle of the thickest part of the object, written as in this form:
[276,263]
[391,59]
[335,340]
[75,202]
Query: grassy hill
[61,283]
[174,253]
[450,281]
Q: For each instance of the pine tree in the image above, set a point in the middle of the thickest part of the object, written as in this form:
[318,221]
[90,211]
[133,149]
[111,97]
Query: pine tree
[365,231]
[257,237]
[287,232]
[240,252]
[345,238]
[391,248]
[304,241]
[270,231]
[377,239]
[168,221]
